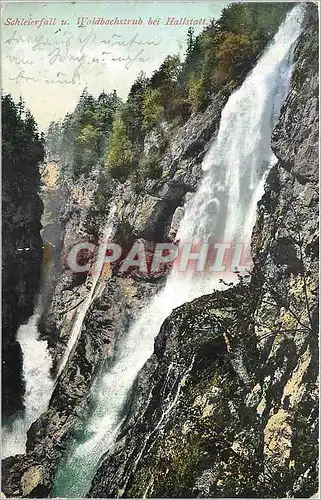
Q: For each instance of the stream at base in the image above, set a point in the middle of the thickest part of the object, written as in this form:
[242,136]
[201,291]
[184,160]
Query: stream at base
[39,385]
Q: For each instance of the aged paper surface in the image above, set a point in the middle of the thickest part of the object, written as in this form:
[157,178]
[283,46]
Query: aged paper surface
[51,51]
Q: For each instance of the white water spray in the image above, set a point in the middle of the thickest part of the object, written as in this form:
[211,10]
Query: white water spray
[223,209]
[39,385]
[37,360]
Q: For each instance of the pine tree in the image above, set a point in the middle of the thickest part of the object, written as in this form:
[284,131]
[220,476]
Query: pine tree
[190,42]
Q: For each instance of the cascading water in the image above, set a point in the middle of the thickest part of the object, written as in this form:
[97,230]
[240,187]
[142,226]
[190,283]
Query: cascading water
[39,385]
[37,360]
[83,308]
[223,209]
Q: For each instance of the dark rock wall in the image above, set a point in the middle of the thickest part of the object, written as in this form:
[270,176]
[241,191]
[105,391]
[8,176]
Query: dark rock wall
[21,259]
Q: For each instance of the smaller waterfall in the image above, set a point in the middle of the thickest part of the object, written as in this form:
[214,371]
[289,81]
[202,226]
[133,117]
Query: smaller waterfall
[37,360]
[82,309]
[39,385]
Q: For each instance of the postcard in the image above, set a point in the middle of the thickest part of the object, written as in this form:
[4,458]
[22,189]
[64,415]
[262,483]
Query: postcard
[160,249]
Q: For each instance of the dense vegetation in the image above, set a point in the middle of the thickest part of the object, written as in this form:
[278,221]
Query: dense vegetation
[217,60]
[22,146]
[81,139]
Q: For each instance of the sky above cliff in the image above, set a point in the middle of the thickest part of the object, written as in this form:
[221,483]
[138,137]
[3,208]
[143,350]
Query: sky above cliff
[51,51]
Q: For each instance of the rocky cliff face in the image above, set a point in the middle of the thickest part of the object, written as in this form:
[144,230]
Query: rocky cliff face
[228,403]
[226,406]
[153,214]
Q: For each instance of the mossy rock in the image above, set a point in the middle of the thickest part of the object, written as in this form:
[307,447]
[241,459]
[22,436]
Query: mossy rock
[31,479]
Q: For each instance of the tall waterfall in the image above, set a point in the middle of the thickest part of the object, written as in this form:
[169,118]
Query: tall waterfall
[39,385]
[223,209]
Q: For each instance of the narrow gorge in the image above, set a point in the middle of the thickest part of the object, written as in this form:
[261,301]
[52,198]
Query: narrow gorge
[143,381]
[22,150]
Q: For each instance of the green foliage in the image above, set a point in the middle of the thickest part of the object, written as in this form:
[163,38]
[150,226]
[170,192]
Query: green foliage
[228,48]
[197,97]
[53,138]
[88,135]
[22,145]
[216,60]
[166,80]
[261,19]
[233,54]
[120,153]
[81,140]
[153,111]
[150,166]
[190,42]
[132,111]
[167,74]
